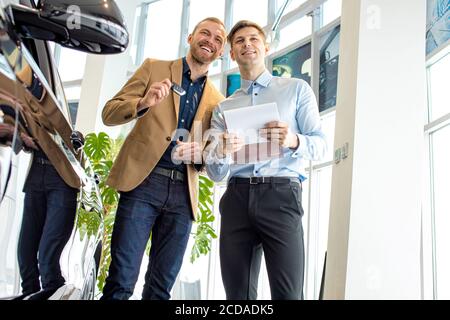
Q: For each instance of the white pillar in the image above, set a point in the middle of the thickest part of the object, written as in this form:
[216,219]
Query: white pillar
[103,77]
[374,230]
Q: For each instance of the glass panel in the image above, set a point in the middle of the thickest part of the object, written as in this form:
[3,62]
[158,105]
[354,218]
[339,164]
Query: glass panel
[134,34]
[163,16]
[331,10]
[217,81]
[73,93]
[438,93]
[294,64]
[233,64]
[294,4]
[71,64]
[438,23]
[201,9]
[73,109]
[253,10]
[295,31]
[441,185]
[215,67]
[233,83]
[329,61]
[52,46]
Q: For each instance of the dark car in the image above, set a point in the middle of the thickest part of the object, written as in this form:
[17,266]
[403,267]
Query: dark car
[32,103]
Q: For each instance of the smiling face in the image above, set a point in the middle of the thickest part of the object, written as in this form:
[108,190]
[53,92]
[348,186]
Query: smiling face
[207,42]
[248,48]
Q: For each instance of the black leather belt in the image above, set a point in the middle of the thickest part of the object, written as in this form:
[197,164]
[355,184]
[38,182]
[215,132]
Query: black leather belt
[173,174]
[259,180]
[42,161]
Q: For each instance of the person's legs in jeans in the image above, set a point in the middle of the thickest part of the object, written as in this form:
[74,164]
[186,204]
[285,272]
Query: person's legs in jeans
[134,220]
[170,236]
[59,223]
[30,234]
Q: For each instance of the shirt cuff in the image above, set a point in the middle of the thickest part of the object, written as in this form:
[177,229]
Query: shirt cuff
[301,146]
[141,112]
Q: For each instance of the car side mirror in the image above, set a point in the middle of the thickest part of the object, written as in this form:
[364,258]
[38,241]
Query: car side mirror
[89,26]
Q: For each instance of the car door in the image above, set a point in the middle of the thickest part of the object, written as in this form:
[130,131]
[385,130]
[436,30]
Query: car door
[32,104]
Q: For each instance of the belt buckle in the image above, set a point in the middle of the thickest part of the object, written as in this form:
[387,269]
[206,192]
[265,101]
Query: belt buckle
[253,180]
[172,174]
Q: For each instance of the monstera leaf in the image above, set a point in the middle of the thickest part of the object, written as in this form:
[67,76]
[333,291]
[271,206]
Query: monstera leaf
[204,232]
[97,147]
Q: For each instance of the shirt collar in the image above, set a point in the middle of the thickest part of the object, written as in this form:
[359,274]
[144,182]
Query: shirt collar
[263,80]
[187,70]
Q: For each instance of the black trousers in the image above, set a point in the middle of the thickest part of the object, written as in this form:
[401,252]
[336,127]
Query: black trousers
[258,218]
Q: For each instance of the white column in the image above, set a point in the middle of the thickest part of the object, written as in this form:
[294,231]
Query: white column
[103,77]
[374,230]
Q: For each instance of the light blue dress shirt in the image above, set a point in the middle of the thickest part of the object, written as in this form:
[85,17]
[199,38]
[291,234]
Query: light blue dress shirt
[297,106]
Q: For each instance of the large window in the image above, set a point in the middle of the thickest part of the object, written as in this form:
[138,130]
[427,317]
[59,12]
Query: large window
[253,10]
[293,4]
[71,64]
[163,32]
[294,31]
[201,9]
[436,220]
[439,74]
[331,10]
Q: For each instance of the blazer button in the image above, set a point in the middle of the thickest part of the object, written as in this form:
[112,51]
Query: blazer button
[168,138]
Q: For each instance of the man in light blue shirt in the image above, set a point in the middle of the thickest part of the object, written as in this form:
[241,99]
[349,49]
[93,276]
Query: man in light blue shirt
[261,209]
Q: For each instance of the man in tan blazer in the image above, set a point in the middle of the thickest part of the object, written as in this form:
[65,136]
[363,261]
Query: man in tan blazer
[51,185]
[154,171]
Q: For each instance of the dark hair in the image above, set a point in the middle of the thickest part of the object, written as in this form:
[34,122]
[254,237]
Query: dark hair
[245,24]
[212,19]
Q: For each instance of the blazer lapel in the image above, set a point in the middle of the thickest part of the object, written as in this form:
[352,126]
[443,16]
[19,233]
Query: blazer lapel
[176,76]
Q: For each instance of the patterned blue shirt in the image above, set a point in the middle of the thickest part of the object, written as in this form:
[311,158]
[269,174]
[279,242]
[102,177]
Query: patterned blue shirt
[297,106]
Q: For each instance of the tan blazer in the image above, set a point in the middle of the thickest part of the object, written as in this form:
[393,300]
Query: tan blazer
[152,133]
[40,124]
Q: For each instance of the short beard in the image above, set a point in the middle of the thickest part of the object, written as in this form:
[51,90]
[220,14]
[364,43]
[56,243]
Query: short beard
[197,61]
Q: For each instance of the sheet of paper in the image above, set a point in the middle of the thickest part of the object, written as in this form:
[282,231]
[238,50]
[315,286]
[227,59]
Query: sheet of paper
[247,121]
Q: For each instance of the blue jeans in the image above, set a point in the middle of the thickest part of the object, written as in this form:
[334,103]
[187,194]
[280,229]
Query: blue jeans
[48,219]
[158,206]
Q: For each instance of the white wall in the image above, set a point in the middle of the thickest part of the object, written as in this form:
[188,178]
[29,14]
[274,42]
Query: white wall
[374,231]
